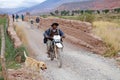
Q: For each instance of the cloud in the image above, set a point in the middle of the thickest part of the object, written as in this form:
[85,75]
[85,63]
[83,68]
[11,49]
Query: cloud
[18,3]
[29,3]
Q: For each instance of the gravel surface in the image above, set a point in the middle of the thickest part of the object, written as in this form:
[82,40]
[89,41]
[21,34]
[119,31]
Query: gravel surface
[77,64]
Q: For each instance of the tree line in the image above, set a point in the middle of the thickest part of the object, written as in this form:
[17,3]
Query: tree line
[78,12]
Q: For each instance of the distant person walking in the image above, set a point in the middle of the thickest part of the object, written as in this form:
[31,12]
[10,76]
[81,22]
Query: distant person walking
[32,23]
[13,16]
[37,22]
[17,16]
[22,16]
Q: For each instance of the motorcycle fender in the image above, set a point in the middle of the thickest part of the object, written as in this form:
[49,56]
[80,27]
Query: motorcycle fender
[59,45]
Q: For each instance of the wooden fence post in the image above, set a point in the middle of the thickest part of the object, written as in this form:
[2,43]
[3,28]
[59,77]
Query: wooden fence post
[4,70]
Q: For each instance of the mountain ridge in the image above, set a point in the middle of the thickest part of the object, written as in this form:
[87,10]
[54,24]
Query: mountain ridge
[47,6]
[52,5]
[91,5]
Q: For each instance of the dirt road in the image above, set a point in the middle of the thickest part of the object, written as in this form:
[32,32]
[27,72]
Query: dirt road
[77,64]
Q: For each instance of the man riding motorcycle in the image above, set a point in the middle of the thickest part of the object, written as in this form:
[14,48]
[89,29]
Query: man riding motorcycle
[49,33]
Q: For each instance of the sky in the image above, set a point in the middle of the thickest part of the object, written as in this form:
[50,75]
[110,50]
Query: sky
[18,3]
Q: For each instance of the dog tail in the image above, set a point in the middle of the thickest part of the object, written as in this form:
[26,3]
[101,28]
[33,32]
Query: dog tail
[25,54]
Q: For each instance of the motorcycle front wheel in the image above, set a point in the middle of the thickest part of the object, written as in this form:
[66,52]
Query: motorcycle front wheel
[59,51]
[52,56]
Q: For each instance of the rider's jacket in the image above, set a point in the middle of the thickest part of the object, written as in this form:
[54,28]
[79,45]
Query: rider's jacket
[50,33]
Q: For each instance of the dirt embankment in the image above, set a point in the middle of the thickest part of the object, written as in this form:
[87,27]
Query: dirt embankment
[78,33]
[13,35]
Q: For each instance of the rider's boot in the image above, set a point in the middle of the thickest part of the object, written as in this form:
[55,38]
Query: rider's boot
[48,54]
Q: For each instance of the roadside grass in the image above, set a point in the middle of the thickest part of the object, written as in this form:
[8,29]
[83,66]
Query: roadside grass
[1,78]
[10,51]
[2,22]
[109,32]
[111,17]
[44,16]
[69,17]
[85,17]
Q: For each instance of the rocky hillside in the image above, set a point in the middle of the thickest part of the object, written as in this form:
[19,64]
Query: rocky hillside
[106,4]
[92,5]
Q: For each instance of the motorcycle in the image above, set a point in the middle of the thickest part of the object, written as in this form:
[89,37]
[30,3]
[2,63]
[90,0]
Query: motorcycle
[56,49]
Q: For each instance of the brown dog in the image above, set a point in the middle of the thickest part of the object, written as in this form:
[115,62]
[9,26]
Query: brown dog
[33,64]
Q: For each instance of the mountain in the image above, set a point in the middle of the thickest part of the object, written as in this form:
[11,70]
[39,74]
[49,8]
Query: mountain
[10,10]
[47,6]
[75,5]
[106,4]
[52,5]
[91,5]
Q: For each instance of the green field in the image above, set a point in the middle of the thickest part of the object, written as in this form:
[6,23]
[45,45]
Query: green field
[2,22]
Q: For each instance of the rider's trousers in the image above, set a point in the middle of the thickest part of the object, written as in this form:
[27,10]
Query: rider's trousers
[49,43]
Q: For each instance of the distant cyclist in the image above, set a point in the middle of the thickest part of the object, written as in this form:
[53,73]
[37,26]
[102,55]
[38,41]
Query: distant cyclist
[32,23]
[22,16]
[13,16]
[17,16]
[37,22]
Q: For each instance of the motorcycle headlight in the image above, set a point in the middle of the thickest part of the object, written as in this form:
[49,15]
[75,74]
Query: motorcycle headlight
[57,38]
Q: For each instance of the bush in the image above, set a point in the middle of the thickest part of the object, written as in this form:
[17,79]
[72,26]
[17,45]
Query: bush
[1,78]
[87,17]
[2,21]
[44,16]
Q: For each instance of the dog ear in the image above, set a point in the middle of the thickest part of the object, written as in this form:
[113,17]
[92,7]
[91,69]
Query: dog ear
[43,64]
[38,64]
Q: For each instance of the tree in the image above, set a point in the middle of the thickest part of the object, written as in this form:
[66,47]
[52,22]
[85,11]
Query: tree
[89,11]
[56,12]
[81,11]
[98,11]
[62,13]
[72,13]
[68,13]
[52,14]
[117,10]
[106,11]
[65,13]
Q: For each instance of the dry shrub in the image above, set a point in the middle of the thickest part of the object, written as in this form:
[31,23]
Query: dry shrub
[23,36]
[21,33]
[109,32]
